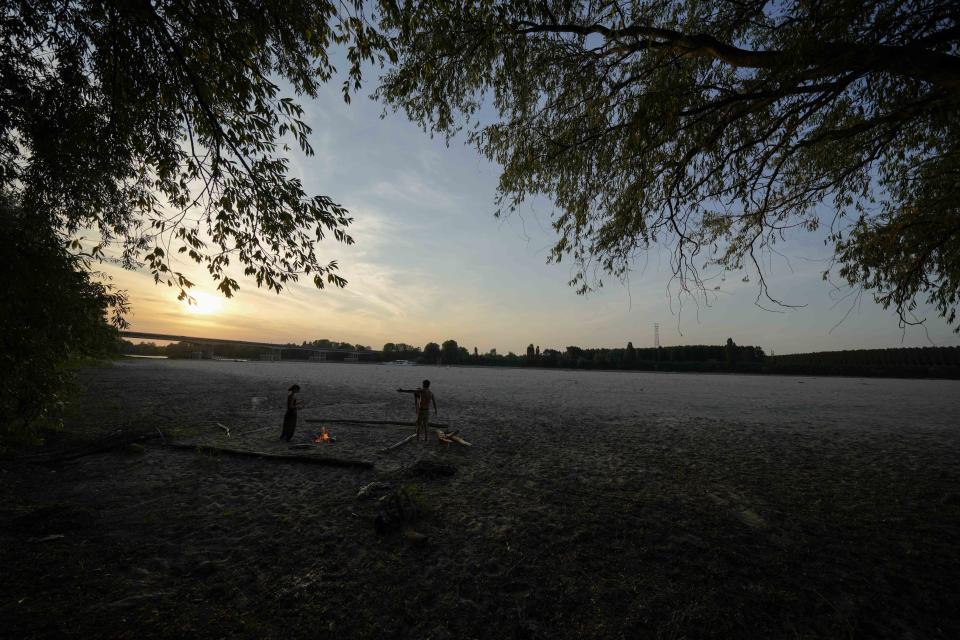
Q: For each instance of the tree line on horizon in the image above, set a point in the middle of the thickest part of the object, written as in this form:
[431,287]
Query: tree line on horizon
[574,357]
[909,362]
[905,362]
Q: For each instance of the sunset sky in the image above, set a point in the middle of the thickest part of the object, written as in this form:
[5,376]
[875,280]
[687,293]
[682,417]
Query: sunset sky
[431,262]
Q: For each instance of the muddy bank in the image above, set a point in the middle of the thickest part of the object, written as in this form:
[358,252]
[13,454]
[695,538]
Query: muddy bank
[566,519]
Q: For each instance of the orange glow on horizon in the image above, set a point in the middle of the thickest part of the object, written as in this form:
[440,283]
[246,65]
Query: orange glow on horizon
[202,303]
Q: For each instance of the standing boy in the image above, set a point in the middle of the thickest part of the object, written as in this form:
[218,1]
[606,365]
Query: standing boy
[422,398]
[290,417]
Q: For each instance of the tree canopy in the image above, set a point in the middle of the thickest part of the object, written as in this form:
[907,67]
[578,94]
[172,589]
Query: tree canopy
[431,352]
[53,311]
[159,127]
[162,125]
[711,127]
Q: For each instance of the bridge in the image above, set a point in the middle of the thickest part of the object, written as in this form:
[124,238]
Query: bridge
[269,350]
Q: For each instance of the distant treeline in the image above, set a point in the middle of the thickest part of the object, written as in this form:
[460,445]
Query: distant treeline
[291,351]
[912,362]
[186,350]
[678,358]
[925,362]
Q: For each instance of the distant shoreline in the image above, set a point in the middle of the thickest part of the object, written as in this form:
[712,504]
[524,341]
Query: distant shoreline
[936,363]
[952,375]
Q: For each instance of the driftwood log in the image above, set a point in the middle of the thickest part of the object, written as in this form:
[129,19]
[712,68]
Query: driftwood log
[436,425]
[324,460]
[401,443]
[451,436]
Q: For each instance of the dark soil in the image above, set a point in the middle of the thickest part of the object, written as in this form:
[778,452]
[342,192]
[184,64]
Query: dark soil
[688,529]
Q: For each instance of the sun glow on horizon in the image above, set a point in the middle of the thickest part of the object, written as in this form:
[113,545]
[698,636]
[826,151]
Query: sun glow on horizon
[201,303]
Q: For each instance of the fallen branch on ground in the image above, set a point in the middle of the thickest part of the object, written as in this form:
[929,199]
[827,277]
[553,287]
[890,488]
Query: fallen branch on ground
[325,460]
[451,436]
[402,442]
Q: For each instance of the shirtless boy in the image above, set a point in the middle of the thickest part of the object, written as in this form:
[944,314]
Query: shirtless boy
[422,398]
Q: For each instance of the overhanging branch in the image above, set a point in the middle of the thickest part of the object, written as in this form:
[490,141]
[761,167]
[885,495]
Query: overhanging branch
[825,59]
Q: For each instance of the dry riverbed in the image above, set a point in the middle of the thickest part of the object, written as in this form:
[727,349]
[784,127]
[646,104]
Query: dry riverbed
[558,523]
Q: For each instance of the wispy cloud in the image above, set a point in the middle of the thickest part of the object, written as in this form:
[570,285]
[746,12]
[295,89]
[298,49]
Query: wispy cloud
[409,188]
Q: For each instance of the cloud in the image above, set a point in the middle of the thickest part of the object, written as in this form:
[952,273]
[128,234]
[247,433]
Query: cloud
[408,188]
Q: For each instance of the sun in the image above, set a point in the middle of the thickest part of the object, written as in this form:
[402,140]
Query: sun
[203,304]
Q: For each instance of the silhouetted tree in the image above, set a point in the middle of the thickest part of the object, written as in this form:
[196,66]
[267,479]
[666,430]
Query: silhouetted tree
[161,129]
[573,356]
[638,118]
[161,125]
[450,352]
[53,311]
[551,358]
[431,353]
[730,352]
[630,358]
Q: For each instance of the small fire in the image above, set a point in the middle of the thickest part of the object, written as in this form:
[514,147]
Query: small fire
[323,436]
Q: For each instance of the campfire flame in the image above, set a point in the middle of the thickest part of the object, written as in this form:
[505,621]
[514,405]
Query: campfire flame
[323,436]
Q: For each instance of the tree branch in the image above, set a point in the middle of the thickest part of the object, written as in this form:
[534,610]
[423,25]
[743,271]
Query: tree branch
[827,58]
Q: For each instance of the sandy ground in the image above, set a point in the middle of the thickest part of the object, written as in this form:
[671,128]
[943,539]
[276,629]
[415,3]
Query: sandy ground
[558,523]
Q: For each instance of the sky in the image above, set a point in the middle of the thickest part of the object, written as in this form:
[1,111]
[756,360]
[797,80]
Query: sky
[431,262]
